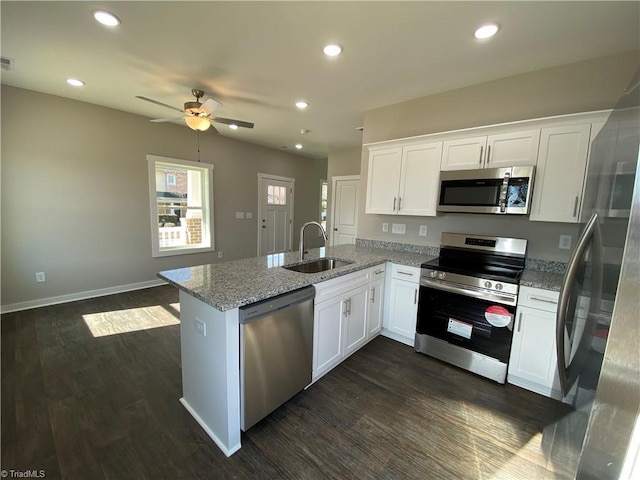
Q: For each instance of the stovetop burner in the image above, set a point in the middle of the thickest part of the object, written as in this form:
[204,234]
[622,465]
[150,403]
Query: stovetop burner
[485,264]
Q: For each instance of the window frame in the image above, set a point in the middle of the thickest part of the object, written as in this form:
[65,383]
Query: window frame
[207,206]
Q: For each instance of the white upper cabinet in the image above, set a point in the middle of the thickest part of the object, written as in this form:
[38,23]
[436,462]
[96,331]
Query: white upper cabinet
[404,180]
[557,190]
[491,151]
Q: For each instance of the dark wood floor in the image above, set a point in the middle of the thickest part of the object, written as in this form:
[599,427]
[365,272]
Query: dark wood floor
[90,390]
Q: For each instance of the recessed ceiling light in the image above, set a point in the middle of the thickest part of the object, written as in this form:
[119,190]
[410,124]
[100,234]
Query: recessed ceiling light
[332,50]
[304,131]
[233,126]
[106,18]
[302,104]
[74,82]
[486,31]
[299,146]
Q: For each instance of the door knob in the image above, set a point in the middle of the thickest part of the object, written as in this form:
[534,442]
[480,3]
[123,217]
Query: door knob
[335,229]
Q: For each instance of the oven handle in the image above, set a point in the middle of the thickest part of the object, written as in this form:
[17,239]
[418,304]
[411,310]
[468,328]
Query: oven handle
[482,295]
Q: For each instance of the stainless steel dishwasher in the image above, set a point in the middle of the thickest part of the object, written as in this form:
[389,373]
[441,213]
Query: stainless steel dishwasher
[276,352]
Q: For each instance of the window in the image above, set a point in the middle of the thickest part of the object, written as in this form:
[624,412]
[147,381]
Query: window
[323,204]
[181,200]
[276,195]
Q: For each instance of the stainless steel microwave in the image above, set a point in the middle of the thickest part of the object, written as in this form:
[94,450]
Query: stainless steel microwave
[505,191]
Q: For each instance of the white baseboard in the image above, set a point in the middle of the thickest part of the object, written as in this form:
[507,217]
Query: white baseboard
[43,302]
[228,451]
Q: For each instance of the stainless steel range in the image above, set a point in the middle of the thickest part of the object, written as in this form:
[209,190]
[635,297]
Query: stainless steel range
[467,302]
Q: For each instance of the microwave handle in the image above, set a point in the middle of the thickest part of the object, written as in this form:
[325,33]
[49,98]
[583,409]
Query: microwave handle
[503,192]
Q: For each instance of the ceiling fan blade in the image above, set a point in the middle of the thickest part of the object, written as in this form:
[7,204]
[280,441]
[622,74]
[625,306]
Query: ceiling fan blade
[210,106]
[212,128]
[230,121]
[158,103]
[160,120]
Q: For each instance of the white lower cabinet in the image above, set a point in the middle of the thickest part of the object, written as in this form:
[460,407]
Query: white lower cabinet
[376,301]
[401,308]
[533,359]
[345,316]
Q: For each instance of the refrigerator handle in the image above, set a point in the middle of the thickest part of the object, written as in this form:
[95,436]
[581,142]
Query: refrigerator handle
[591,229]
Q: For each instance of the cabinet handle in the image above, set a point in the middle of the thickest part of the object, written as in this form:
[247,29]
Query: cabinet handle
[344,308]
[378,272]
[348,307]
[519,321]
[575,206]
[405,273]
[399,203]
[415,296]
[373,294]
[394,204]
[542,299]
[488,154]
[481,150]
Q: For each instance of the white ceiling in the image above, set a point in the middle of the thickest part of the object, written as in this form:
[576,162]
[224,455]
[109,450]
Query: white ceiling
[258,58]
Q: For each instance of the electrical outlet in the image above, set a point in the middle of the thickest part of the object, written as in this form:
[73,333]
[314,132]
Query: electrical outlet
[201,327]
[398,228]
[423,231]
[220,254]
[565,242]
[40,277]
[385,227]
[249,215]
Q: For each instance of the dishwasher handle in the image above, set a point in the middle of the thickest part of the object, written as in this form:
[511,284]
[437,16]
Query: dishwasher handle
[256,311]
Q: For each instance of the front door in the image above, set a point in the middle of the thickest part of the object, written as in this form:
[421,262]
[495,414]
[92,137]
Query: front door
[275,214]
[344,221]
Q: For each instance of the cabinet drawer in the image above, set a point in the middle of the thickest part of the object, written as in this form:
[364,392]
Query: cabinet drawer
[377,272]
[403,272]
[336,286]
[546,300]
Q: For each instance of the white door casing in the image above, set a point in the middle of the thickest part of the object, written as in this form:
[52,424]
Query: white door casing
[275,213]
[344,209]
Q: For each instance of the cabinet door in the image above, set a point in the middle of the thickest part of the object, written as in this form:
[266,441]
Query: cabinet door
[513,148]
[376,303]
[560,172]
[419,179]
[355,309]
[403,308]
[328,334]
[383,179]
[533,350]
[464,153]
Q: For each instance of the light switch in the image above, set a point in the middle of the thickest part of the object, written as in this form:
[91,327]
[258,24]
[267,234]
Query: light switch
[239,214]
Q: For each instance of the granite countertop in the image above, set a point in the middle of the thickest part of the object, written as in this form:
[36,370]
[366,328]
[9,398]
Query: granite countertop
[233,284]
[547,280]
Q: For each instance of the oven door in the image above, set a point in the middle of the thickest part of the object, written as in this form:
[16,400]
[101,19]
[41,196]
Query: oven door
[479,325]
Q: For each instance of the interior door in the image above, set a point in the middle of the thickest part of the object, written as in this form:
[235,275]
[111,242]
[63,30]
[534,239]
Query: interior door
[276,207]
[345,210]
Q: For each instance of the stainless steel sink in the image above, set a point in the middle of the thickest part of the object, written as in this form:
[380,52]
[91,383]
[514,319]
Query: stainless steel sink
[318,265]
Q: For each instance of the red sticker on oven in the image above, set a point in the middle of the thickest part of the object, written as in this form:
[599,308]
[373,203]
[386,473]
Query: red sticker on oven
[498,316]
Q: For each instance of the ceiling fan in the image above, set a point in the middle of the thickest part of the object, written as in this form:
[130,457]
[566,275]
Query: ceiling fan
[199,116]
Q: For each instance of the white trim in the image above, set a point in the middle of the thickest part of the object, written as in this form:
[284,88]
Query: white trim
[588,117]
[227,451]
[292,181]
[72,297]
[334,181]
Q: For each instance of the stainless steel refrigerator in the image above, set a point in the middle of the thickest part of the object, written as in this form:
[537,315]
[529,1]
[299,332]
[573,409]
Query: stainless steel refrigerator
[598,321]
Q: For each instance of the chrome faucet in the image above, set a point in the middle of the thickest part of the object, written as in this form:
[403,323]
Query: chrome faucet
[324,234]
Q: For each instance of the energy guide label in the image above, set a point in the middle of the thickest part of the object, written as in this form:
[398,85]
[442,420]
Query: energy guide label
[459,328]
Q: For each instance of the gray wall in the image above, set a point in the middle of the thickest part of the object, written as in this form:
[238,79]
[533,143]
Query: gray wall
[75,200]
[585,86]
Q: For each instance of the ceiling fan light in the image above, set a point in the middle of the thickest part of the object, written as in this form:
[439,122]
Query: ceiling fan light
[197,123]
[233,126]
[106,18]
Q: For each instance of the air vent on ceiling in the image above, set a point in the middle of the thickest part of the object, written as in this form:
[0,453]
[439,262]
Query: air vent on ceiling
[7,63]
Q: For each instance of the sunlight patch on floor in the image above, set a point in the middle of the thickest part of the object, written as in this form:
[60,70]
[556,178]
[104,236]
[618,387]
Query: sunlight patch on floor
[132,319]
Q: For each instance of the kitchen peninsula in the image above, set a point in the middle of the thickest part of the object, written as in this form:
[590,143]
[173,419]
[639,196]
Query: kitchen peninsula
[210,296]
